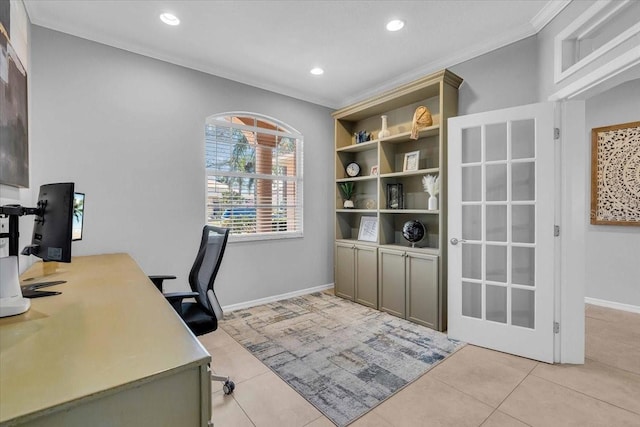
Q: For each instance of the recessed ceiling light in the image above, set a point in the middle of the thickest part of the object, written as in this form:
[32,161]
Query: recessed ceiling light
[395,25]
[169,19]
[317,71]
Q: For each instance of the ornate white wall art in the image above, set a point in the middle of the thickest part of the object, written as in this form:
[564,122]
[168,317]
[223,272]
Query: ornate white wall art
[615,174]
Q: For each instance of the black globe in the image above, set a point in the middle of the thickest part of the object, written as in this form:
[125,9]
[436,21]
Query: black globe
[413,231]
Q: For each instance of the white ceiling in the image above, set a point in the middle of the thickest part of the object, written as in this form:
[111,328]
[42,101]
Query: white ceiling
[273,44]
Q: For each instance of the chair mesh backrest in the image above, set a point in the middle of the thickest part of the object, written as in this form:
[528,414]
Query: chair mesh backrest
[206,265]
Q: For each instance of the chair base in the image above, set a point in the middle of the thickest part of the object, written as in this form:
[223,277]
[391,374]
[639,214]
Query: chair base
[228,385]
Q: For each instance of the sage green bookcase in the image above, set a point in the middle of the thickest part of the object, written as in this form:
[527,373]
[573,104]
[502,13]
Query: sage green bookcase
[385,271]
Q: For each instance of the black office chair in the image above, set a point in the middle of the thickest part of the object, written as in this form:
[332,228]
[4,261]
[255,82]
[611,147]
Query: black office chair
[202,315]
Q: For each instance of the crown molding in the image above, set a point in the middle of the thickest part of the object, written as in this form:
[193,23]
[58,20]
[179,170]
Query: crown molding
[547,13]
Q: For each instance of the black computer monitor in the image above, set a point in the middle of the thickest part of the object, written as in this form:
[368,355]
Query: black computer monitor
[52,231]
[78,216]
[53,225]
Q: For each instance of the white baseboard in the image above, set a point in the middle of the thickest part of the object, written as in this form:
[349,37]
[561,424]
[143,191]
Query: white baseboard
[613,304]
[274,298]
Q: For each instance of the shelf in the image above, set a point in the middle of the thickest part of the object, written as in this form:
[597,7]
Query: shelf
[407,247]
[356,242]
[373,211]
[410,173]
[358,178]
[409,211]
[355,148]
[405,136]
[393,139]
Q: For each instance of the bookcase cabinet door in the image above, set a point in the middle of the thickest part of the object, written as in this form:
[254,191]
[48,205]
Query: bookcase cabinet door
[392,279]
[345,271]
[422,289]
[366,259]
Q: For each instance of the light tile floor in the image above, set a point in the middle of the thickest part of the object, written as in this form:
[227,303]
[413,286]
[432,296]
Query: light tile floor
[473,387]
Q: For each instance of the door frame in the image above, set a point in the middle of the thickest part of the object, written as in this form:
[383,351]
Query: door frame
[572,215]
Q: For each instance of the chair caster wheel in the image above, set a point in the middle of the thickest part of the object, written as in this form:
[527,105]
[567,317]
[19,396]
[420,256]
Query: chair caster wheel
[228,387]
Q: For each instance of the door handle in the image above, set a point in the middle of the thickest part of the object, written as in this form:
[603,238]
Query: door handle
[455,241]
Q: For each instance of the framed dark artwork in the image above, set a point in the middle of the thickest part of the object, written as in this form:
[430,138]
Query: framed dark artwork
[615,175]
[394,196]
[14,143]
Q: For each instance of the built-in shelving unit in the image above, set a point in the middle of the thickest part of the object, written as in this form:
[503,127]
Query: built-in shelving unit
[439,93]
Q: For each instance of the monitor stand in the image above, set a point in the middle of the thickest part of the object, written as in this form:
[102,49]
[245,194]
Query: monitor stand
[31,290]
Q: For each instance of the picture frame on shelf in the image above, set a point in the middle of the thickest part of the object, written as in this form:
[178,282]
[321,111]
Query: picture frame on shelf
[612,148]
[394,196]
[374,170]
[368,229]
[411,161]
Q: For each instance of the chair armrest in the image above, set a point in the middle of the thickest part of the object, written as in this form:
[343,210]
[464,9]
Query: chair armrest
[157,280]
[175,299]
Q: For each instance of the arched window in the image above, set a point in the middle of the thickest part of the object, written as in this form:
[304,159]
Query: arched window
[254,176]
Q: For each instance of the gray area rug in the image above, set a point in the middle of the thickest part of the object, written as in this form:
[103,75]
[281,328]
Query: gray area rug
[342,357]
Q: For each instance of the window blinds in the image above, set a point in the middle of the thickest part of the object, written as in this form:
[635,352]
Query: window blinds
[254,177]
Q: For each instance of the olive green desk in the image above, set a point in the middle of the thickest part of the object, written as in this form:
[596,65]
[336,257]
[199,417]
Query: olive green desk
[108,351]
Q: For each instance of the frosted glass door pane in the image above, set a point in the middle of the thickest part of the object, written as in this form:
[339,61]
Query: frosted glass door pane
[471,184]
[523,221]
[472,222]
[472,300]
[524,181]
[496,183]
[496,142]
[496,267]
[523,266]
[523,134]
[471,261]
[496,223]
[471,145]
[496,303]
[523,308]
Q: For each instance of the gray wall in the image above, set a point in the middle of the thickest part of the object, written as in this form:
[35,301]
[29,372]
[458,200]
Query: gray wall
[129,131]
[506,77]
[613,252]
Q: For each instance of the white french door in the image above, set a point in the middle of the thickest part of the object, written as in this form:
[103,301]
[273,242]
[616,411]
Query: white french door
[501,229]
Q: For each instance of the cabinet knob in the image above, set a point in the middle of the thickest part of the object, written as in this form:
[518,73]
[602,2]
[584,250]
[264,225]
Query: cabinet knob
[455,241]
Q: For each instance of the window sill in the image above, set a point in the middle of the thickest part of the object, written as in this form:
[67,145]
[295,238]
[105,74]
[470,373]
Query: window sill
[241,238]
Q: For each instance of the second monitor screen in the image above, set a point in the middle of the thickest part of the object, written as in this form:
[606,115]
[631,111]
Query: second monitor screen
[78,215]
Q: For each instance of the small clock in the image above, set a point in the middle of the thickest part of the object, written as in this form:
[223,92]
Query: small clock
[353,169]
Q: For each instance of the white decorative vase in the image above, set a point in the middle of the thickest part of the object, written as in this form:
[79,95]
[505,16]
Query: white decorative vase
[384,131]
[433,203]
[348,204]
